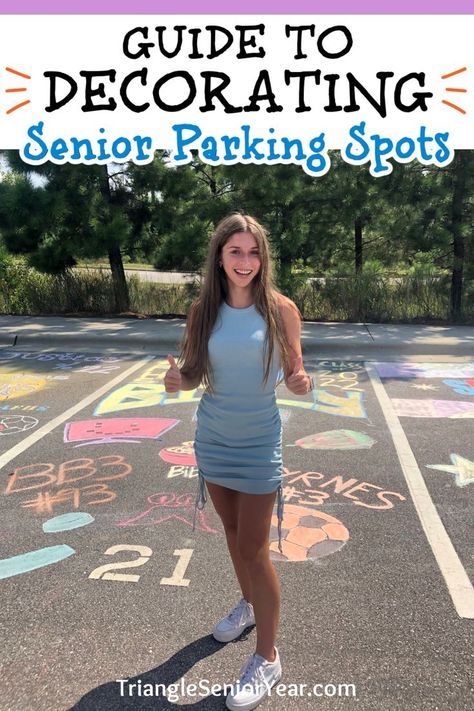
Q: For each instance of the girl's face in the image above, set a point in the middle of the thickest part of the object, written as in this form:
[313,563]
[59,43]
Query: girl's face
[240,259]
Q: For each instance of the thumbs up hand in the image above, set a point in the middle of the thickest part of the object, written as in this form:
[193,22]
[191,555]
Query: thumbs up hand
[173,378]
[299,382]
[298,365]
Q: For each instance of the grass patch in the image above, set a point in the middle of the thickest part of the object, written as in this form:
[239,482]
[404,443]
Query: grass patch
[370,298]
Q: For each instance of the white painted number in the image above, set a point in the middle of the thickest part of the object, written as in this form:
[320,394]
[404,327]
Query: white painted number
[180,569]
[177,578]
[101,572]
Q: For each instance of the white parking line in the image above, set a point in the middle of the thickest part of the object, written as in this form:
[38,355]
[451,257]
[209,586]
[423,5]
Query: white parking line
[456,578]
[49,426]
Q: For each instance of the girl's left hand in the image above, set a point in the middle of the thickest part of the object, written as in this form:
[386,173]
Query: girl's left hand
[299,382]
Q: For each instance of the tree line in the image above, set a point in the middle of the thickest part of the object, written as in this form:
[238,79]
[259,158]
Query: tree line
[339,223]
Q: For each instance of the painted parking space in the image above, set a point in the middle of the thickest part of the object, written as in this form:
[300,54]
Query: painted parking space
[434,404]
[33,383]
[325,464]
[97,537]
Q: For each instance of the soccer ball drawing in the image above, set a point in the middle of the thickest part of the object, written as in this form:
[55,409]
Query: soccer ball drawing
[307,534]
[13,424]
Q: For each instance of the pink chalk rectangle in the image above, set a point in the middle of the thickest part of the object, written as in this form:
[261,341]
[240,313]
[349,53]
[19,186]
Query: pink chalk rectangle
[130,427]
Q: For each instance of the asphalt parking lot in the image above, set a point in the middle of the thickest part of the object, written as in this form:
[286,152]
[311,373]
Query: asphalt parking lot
[108,594]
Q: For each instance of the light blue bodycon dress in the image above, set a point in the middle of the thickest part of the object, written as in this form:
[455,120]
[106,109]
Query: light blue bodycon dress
[238,436]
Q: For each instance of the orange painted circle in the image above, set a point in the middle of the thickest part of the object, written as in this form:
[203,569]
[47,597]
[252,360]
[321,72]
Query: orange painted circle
[307,534]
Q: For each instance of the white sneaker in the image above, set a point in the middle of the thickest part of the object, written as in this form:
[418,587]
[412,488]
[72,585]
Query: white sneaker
[258,677]
[235,623]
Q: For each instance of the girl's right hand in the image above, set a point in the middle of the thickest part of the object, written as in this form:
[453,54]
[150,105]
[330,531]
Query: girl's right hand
[173,378]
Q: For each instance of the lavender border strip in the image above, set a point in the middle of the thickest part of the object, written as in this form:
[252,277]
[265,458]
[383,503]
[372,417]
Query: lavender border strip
[241,7]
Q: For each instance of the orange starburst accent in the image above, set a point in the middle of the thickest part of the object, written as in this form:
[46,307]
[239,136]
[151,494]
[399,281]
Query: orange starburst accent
[19,74]
[453,106]
[18,106]
[454,89]
[17,89]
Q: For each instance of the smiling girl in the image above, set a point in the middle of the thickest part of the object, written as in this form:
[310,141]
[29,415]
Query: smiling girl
[241,333]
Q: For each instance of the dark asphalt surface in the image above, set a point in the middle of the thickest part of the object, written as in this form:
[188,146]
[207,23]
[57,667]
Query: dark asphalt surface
[363,600]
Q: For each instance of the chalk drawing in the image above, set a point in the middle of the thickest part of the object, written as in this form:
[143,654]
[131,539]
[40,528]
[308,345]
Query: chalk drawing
[460,466]
[306,534]
[97,369]
[130,397]
[26,562]
[37,476]
[146,392]
[33,560]
[67,522]
[15,424]
[20,385]
[461,387]
[341,365]
[165,507]
[118,429]
[62,357]
[351,405]
[43,557]
[42,476]
[335,439]
[185,472]
[424,386]
[45,501]
[425,370]
[342,380]
[24,408]
[182,454]
[351,488]
[141,394]
[433,408]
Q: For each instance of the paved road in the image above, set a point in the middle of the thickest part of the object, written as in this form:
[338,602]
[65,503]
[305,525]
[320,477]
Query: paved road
[103,578]
[150,335]
[151,275]
[183,277]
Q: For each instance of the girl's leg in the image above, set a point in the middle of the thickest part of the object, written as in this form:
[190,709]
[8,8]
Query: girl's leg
[255,513]
[226,503]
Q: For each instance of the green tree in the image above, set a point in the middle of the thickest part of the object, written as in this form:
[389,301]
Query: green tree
[191,200]
[461,224]
[435,210]
[75,213]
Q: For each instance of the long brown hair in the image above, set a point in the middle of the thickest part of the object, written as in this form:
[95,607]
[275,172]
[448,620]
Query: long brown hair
[204,310]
